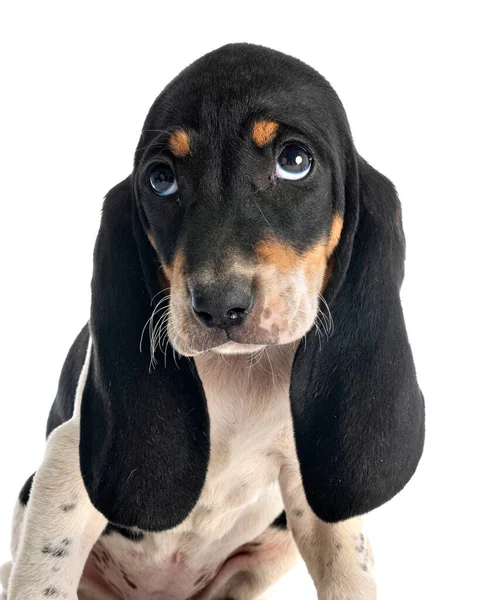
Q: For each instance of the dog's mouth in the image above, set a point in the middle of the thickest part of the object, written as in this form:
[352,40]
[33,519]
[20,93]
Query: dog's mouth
[230,341]
[249,312]
[238,348]
[189,337]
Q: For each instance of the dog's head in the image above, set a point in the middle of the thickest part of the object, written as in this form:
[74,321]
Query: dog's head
[239,177]
[248,213]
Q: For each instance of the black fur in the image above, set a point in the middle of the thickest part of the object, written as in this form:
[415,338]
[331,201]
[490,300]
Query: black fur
[357,409]
[356,406]
[239,202]
[63,406]
[144,433]
[26,491]
[129,534]
[281,522]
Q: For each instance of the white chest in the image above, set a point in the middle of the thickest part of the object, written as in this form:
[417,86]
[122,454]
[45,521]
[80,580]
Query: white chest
[248,405]
[250,431]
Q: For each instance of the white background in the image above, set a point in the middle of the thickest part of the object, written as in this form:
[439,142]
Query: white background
[417,82]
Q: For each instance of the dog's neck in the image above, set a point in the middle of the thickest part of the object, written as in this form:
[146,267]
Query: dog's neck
[248,404]
[261,374]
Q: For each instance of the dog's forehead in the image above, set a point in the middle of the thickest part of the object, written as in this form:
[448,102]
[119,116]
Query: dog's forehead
[225,89]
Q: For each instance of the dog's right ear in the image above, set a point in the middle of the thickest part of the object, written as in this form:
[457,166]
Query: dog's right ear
[144,445]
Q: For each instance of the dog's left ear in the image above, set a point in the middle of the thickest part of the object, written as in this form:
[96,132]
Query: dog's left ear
[358,413]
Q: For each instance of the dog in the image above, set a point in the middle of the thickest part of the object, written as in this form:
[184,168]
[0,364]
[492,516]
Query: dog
[245,390]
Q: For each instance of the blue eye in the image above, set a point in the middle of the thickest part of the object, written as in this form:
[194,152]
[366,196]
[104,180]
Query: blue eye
[162,179]
[294,162]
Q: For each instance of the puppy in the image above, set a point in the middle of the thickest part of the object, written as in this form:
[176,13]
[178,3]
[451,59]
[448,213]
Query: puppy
[244,389]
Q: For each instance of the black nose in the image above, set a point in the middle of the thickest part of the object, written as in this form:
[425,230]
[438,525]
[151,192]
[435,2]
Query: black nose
[222,306]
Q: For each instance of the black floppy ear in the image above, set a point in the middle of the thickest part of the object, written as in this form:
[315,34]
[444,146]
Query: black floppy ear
[358,413]
[144,432]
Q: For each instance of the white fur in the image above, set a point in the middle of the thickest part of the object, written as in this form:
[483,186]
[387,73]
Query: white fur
[253,475]
[54,544]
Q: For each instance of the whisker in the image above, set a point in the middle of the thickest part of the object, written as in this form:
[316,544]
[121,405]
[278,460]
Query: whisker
[331,321]
[265,218]
[255,360]
[155,325]
[272,369]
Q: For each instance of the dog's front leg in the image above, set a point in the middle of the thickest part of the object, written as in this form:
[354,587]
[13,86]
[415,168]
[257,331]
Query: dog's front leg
[60,525]
[337,555]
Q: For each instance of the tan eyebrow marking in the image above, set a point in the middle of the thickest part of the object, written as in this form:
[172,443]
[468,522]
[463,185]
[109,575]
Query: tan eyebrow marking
[179,143]
[264,132]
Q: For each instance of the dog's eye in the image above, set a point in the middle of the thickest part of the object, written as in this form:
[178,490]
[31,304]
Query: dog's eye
[294,162]
[162,179]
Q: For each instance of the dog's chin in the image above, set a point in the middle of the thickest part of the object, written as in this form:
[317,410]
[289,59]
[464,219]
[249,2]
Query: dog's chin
[229,347]
[236,348]
[238,341]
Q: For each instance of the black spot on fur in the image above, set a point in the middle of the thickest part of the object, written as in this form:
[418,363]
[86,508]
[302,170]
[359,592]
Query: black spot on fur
[129,582]
[361,545]
[106,558]
[51,592]
[201,579]
[281,522]
[26,491]
[299,512]
[115,588]
[134,536]
[68,507]
[56,551]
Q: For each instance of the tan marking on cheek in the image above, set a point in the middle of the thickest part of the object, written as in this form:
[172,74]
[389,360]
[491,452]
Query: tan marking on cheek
[179,143]
[334,237]
[264,132]
[328,273]
[164,281]
[152,241]
[292,282]
[315,264]
[175,272]
[335,234]
[283,257]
